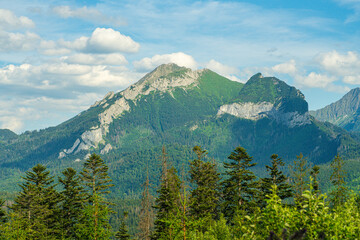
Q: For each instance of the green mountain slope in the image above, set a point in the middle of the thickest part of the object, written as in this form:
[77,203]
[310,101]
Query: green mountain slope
[179,108]
[344,112]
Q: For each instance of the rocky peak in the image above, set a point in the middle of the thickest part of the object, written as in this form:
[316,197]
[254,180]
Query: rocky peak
[164,78]
[342,112]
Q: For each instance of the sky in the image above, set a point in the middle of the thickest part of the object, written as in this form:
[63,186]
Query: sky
[58,57]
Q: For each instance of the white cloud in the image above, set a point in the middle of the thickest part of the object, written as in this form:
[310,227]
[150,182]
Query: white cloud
[60,75]
[89,14]
[315,80]
[340,64]
[18,41]
[103,40]
[12,123]
[179,58]
[8,20]
[286,68]
[224,70]
[221,68]
[97,59]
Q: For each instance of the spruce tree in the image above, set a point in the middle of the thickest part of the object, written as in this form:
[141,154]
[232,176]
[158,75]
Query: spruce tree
[204,199]
[167,205]
[37,204]
[239,186]
[3,216]
[339,193]
[3,219]
[72,204]
[314,174]
[95,224]
[299,171]
[146,218]
[277,177]
[123,233]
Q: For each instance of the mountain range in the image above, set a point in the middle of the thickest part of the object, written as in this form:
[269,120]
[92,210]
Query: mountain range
[179,108]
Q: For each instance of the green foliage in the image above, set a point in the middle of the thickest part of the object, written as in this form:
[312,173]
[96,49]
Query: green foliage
[299,174]
[204,198]
[276,178]
[123,234]
[72,204]
[167,205]
[339,194]
[95,222]
[239,186]
[36,205]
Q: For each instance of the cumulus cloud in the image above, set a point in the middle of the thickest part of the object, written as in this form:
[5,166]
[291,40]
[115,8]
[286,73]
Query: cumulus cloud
[8,20]
[103,40]
[62,74]
[13,123]
[340,64]
[179,58]
[18,41]
[88,14]
[286,68]
[315,80]
[224,70]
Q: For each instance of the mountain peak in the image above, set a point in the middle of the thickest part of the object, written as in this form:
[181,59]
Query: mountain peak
[344,112]
[256,76]
[163,78]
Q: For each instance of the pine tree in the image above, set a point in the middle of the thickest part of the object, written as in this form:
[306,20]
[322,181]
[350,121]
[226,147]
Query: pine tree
[167,205]
[72,204]
[37,203]
[123,233]
[94,175]
[146,220]
[339,194]
[284,189]
[299,175]
[239,186]
[3,217]
[204,199]
[314,174]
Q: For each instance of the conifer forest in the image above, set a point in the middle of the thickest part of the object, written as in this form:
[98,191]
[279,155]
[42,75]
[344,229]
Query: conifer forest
[205,201]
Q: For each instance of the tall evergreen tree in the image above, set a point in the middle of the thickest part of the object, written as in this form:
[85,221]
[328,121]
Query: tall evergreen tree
[123,233]
[146,220]
[72,204]
[339,193]
[94,175]
[284,189]
[37,203]
[167,205]
[3,219]
[204,199]
[299,171]
[239,186]
[314,174]
[3,216]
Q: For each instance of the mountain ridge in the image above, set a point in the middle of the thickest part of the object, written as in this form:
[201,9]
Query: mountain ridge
[191,108]
[344,113]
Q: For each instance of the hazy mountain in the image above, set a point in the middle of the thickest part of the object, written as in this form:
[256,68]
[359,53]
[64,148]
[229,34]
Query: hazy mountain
[344,113]
[179,108]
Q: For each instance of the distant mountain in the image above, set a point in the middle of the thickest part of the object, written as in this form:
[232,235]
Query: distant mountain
[180,108]
[344,113]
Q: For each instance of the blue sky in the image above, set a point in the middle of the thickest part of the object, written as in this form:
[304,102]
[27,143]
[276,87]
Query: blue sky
[58,57]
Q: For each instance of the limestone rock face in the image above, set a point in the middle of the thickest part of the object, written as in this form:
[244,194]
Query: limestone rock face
[256,111]
[248,110]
